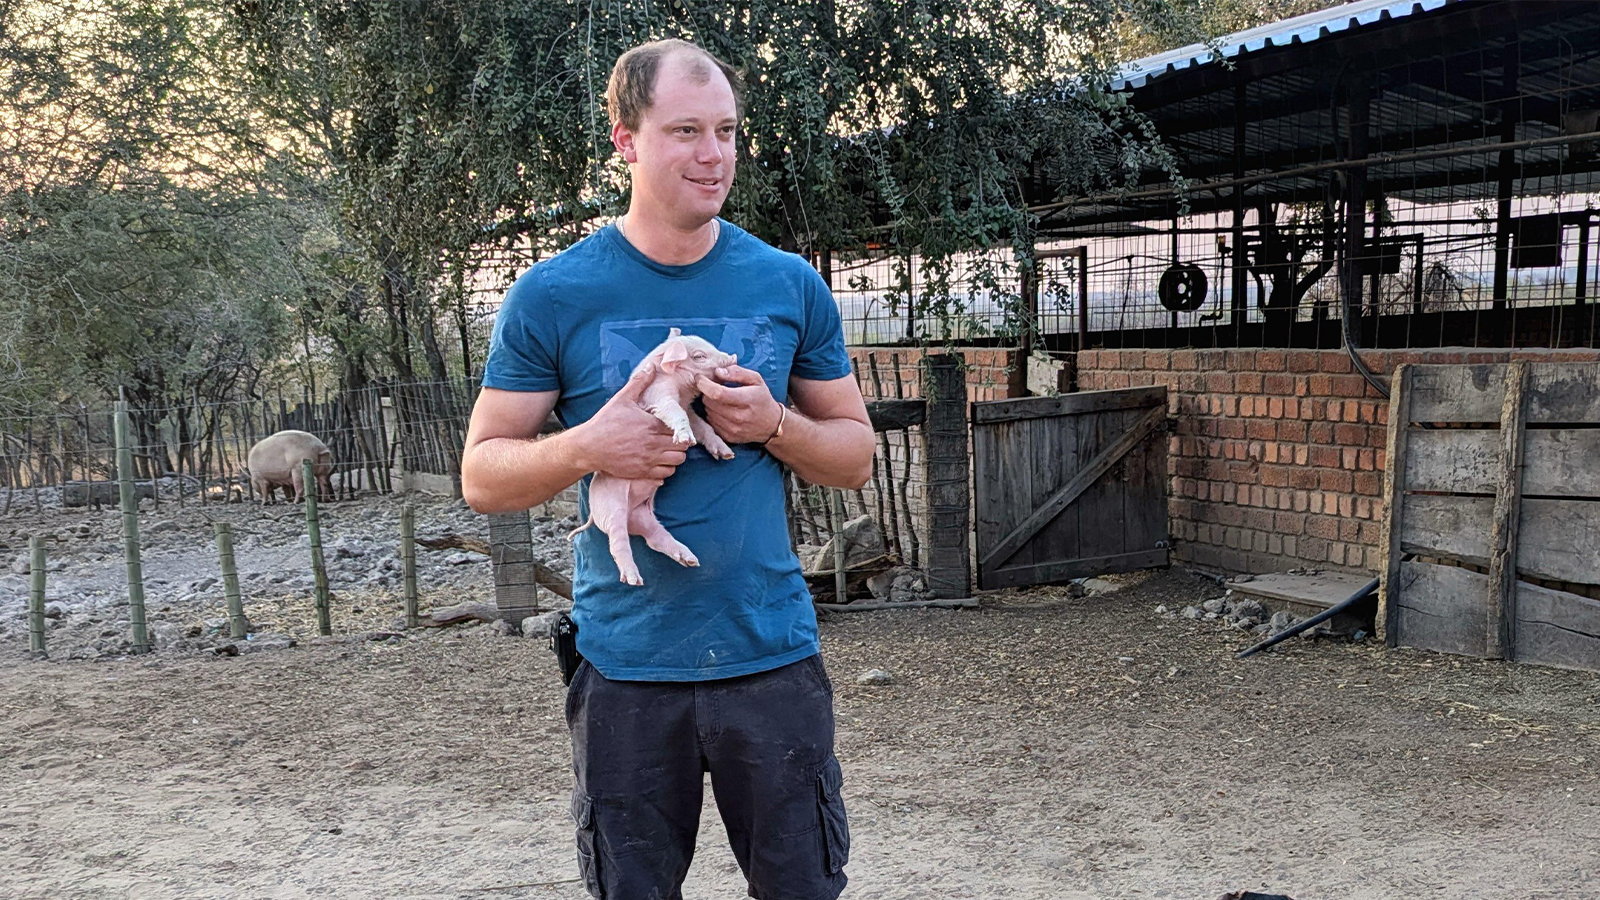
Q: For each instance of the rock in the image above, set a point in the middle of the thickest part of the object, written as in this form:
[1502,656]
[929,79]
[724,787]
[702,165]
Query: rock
[54,610]
[539,626]
[1162,609]
[166,636]
[1193,612]
[226,650]
[1282,621]
[1215,605]
[1209,616]
[194,631]
[902,579]
[203,585]
[266,640]
[875,676]
[1247,609]
[161,527]
[503,628]
[1243,579]
[863,541]
[462,559]
[22,565]
[1262,629]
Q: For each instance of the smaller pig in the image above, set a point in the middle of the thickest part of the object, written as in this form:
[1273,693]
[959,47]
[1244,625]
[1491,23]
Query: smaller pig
[274,462]
[620,507]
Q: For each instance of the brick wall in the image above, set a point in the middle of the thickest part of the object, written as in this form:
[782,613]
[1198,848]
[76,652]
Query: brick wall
[991,372]
[1278,459]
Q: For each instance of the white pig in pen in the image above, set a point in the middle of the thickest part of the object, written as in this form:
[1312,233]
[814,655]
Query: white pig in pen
[620,507]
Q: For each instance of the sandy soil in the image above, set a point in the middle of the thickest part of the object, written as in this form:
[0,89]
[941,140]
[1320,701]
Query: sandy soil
[1043,747]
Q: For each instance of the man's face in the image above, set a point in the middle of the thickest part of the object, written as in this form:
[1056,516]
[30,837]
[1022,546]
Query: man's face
[682,156]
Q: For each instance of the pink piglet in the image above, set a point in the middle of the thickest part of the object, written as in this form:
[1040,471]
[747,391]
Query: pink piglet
[620,507]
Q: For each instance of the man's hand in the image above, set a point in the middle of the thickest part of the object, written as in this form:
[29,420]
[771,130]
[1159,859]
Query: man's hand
[746,414]
[623,439]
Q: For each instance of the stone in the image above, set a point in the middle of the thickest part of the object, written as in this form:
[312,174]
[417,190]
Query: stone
[1209,616]
[1247,608]
[503,628]
[875,676]
[22,565]
[462,559]
[1282,621]
[1215,605]
[262,641]
[163,527]
[203,585]
[166,636]
[1243,579]
[539,626]
[1193,612]
[54,610]
[1162,609]
[863,541]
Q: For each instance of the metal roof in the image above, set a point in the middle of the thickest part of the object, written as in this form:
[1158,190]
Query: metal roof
[1298,30]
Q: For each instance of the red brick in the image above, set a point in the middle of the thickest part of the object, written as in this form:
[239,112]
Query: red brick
[1320,432]
[1291,408]
[1320,385]
[1269,361]
[1290,523]
[1335,362]
[1350,434]
[1302,501]
[1349,529]
[1220,382]
[1294,430]
[1248,382]
[1325,527]
[1349,386]
[1336,554]
[1336,480]
[1158,359]
[1347,506]
[1230,406]
[1369,483]
[1279,385]
[1305,479]
[1184,360]
[1275,408]
[1365,459]
[1302,454]
[1371,533]
[1364,508]
[1274,476]
[1377,437]
[1255,451]
[1347,458]
[1240,360]
[1324,457]
[1301,360]
[1270,453]
[1233,428]
[1261,429]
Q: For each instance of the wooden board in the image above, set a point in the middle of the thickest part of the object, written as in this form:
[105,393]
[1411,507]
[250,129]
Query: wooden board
[1560,540]
[1555,628]
[1322,590]
[991,411]
[1450,526]
[1456,393]
[1441,608]
[1452,460]
[1562,462]
[1563,393]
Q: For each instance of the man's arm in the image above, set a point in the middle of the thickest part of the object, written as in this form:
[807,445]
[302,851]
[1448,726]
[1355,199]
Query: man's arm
[504,468]
[827,437]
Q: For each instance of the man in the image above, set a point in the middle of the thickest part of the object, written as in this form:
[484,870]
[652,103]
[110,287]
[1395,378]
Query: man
[712,669]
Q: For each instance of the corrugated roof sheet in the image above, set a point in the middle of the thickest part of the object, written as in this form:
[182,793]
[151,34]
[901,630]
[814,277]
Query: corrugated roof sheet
[1298,30]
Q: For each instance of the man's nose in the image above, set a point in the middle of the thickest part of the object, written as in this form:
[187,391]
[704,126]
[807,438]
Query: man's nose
[708,149]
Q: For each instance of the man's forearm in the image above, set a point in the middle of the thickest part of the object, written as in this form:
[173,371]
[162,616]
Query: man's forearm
[512,474]
[829,452]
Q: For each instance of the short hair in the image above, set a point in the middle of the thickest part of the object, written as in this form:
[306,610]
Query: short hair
[631,90]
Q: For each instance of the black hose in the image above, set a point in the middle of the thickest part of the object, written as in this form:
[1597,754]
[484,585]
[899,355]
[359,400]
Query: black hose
[1318,619]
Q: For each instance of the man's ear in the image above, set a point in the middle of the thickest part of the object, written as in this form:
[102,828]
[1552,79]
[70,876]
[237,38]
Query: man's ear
[622,139]
[677,351]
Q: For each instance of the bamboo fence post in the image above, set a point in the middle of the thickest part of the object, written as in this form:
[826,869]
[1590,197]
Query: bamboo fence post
[36,596]
[408,561]
[130,529]
[838,547]
[238,625]
[319,570]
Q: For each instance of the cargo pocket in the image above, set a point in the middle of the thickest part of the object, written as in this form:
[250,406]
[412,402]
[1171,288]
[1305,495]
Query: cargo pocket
[588,856]
[835,827]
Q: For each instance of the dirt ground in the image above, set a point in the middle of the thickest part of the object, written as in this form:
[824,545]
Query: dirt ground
[1044,746]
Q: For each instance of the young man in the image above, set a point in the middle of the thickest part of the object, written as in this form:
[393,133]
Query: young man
[712,669]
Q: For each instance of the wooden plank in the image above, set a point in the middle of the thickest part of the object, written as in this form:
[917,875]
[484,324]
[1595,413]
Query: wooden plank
[893,415]
[1070,491]
[1456,393]
[1323,590]
[991,411]
[1502,599]
[1443,525]
[1564,393]
[991,512]
[1562,462]
[1145,495]
[948,464]
[1065,570]
[1063,534]
[1560,540]
[1102,507]
[1394,488]
[1555,628]
[1440,608]
[1452,460]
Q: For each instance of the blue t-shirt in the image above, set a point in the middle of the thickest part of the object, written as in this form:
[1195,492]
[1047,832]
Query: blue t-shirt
[579,323]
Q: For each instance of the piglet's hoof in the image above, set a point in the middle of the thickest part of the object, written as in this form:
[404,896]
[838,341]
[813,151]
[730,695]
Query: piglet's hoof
[631,576]
[683,557]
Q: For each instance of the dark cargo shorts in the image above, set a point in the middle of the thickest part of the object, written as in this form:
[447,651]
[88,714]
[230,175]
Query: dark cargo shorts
[641,749]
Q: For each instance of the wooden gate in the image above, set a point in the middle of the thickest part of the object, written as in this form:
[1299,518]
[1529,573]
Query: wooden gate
[1070,486]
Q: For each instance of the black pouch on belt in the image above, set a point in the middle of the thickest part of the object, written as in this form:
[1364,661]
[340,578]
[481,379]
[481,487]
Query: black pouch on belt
[564,641]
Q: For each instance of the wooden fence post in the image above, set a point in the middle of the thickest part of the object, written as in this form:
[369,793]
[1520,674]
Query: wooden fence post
[36,596]
[130,529]
[238,625]
[516,587]
[949,506]
[319,570]
[408,561]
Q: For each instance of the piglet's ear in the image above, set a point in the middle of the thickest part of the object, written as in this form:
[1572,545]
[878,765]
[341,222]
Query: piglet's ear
[677,351]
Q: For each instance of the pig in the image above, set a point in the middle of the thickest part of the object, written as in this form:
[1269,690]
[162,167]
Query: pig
[620,507]
[274,462]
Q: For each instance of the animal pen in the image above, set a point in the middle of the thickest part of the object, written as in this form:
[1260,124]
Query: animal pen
[1374,185]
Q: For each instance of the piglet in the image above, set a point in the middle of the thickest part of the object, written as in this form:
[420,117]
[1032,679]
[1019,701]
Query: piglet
[620,506]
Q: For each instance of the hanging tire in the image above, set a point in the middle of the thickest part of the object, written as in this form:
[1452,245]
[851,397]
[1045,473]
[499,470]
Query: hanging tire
[1183,287]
